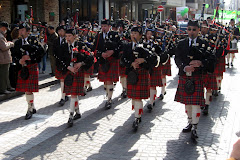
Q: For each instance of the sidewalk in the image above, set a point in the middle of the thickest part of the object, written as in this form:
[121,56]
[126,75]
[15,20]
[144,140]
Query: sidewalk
[107,134]
[45,80]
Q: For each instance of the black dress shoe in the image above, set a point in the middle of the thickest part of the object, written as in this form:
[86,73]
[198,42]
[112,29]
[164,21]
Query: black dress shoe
[11,89]
[108,105]
[28,115]
[187,129]
[89,89]
[202,107]
[34,111]
[232,64]
[77,116]
[124,94]
[194,135]
[227,64]
[205,110]
[161,97]
[70,122]
[66,98]
[215,93]
[150,107]
[5,92]
[153,103]
[62,102]
[136,123]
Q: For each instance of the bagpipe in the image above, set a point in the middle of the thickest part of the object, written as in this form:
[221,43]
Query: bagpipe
[84,55]
[111,42]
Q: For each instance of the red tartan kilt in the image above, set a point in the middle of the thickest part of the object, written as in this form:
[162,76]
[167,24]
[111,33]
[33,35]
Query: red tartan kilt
[31,84]
[113,74]
[166,69]
[197,98]
[156,77]
[59,75]
[142,89]
[89,71]
[77,87]
[220,66]
[233,51]
[122,71]
[210,81]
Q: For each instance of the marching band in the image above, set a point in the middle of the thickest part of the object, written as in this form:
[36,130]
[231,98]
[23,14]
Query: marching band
[139,55]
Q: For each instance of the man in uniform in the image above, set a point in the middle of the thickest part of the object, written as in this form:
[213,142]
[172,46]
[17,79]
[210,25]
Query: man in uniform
[27,52]
[192,60]
[108,55]
[61,40]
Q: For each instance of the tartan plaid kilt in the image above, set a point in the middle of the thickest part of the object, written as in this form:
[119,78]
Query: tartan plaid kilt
[156,77]
[197,98]
[59,74]
[220,66]
[166,69]
[113,74]
[31,84]
[89,71]
[233,51]
[77,87]
[122,71]
[142,89]
[210,81]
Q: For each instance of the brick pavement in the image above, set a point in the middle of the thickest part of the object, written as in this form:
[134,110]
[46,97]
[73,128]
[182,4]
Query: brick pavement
[107,134]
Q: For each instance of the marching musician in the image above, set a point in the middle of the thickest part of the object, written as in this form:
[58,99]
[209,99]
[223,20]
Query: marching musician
[73,62]
[107,45]
[138,61]
[155,72]
[61,40]
[192,59]
[27,52]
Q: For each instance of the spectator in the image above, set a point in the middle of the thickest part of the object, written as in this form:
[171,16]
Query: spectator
[45,47]
[5,60]
[51,38]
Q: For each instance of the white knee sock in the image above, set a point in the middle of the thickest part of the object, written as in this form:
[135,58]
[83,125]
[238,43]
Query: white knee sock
[207,100]
[232,57]
[62,88]
[153,93]
[72,105]
[196,112]
[138,109]
[228,57]
[76,106]
[219,81]
[30,101]
[188,111]
[133,104]
[164,82]
[87,82]
[109,91]
[123,81]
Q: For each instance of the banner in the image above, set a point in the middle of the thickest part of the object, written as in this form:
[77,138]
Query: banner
[227,15]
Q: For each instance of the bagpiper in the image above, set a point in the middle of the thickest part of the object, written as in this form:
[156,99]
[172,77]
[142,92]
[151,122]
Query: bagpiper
[138,60]
[61,40]
[27,52]
[193,59]
[107,46]
[73,63]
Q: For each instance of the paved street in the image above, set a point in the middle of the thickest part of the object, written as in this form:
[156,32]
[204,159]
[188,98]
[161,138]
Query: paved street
[107,134]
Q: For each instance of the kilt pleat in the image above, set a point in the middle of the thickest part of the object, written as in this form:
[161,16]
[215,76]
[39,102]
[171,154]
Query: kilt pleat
[113,73]
[220,66]
[31,84]
[210,81]
[89,71]
[156,77]
[77,87]
[59,74]
[197,98]
[166,69]
[142,89]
